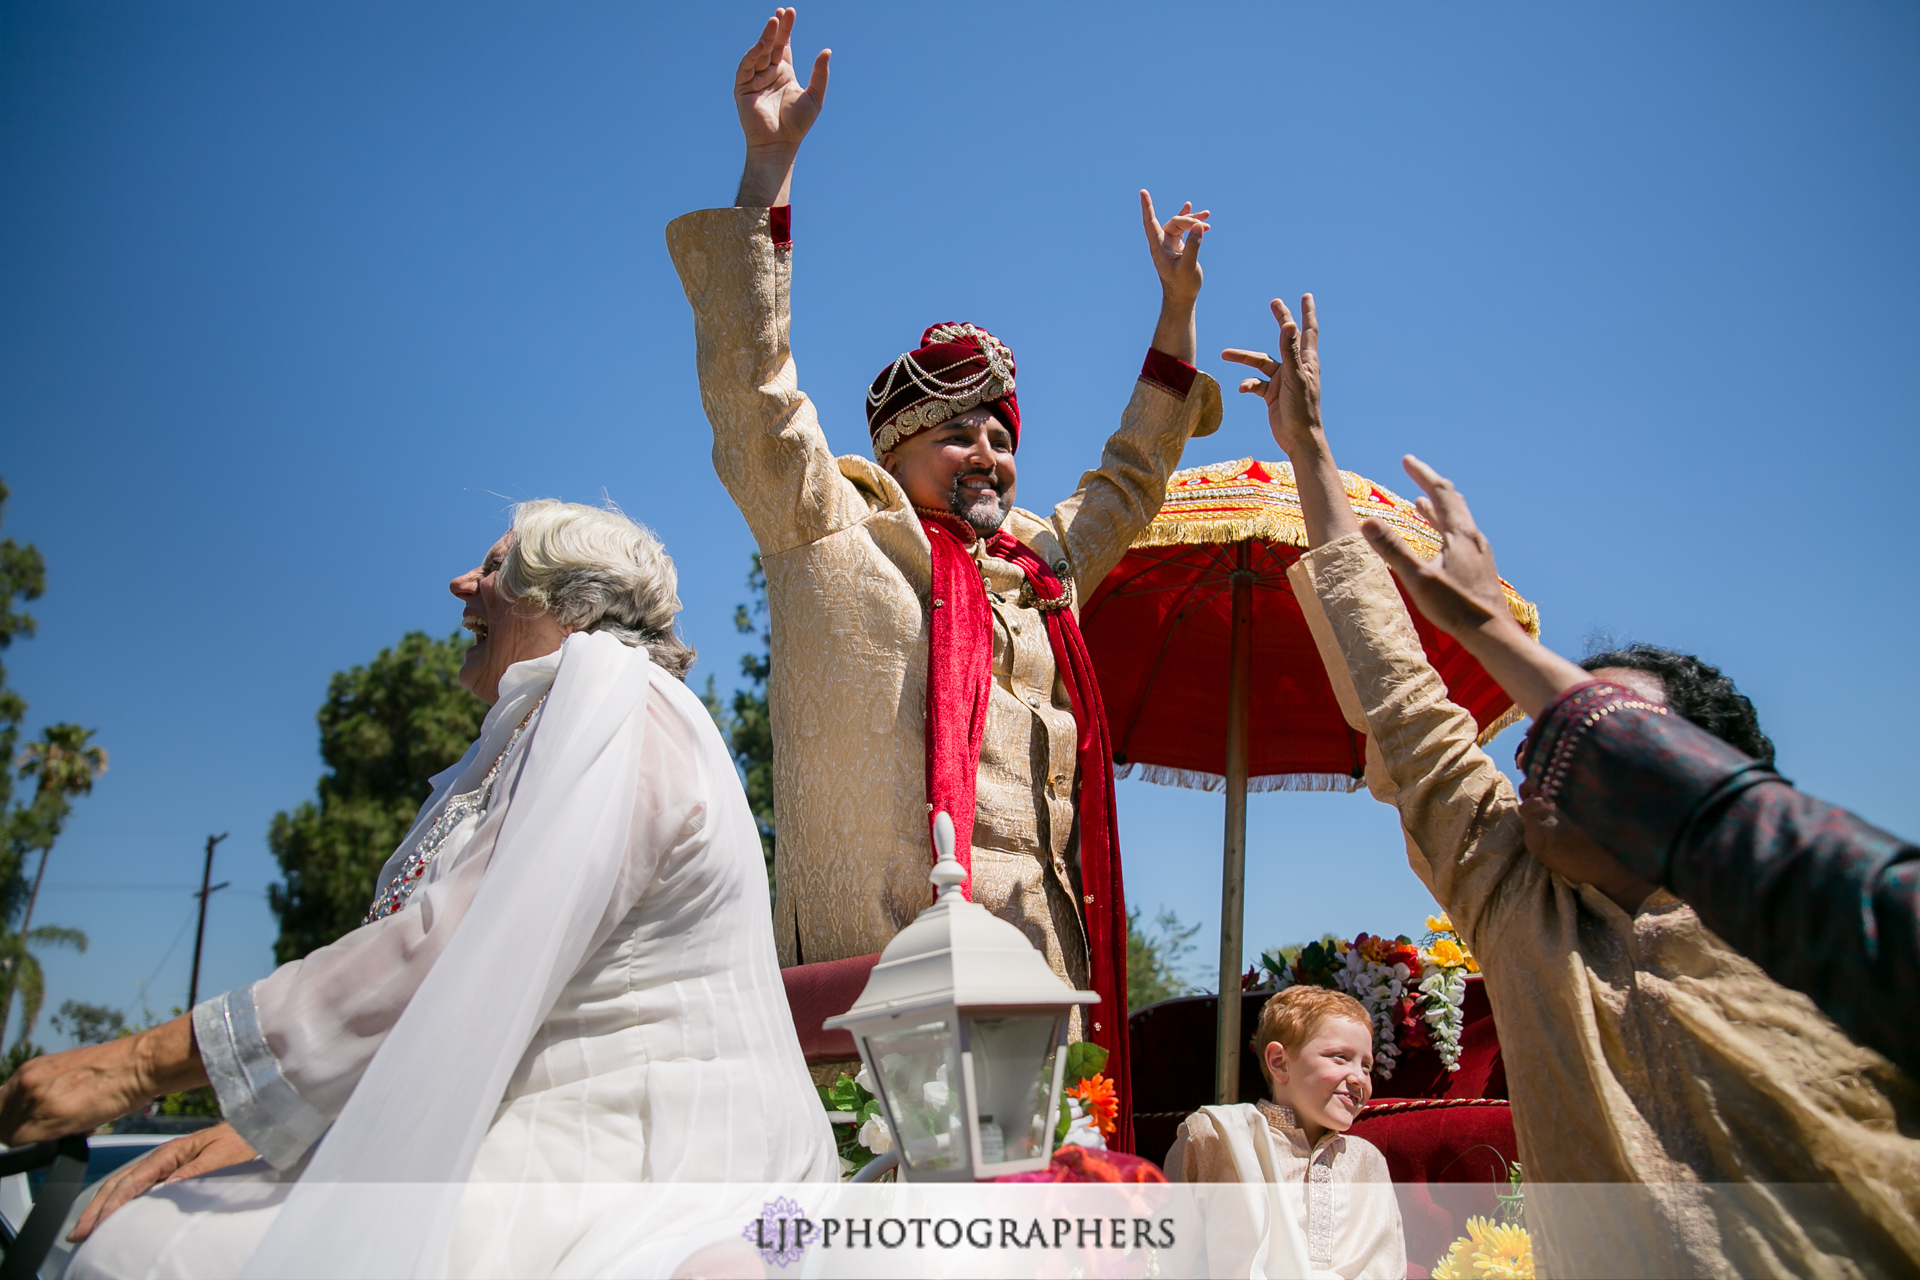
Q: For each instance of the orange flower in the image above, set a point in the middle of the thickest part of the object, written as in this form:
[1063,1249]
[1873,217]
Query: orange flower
[1096,1094]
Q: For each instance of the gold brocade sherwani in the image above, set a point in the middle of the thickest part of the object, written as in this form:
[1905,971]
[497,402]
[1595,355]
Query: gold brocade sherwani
[848,572]
[1738,1130]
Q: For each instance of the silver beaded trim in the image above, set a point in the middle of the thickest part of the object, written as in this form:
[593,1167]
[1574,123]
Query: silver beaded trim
[945,400]
[413,871]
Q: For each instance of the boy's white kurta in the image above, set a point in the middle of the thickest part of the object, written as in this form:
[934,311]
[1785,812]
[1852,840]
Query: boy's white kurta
[583,996]
[1338,1188]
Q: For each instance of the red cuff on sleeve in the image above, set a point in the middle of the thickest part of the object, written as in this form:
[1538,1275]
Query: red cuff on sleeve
[1164,370]
[780,225]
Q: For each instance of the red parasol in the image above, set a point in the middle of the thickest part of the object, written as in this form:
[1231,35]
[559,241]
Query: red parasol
[1202,602]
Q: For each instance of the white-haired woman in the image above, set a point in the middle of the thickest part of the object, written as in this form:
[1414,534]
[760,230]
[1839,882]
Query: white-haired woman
[565,985]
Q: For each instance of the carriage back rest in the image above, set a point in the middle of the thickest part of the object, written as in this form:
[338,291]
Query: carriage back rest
[816,992]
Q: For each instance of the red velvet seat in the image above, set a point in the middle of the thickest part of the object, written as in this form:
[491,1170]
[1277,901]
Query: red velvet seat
[816,992]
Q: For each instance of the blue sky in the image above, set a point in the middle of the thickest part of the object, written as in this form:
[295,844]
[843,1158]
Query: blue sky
[294,299]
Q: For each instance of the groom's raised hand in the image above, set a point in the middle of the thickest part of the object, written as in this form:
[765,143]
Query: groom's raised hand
[776,110]
[1175,248]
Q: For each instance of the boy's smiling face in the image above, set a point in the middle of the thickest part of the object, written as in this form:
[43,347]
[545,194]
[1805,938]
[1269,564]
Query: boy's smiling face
[1328,1081]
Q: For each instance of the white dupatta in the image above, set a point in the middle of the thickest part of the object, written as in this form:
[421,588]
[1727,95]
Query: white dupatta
[381,1192]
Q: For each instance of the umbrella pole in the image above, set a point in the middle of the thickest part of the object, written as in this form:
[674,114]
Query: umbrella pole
[1233,872]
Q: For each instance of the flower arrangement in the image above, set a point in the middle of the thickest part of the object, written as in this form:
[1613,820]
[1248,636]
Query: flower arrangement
[862,1131]
[1414,994]
[1089,1106]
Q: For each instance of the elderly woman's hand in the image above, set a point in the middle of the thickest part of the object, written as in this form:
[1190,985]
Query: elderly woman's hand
[187,1156]
[82,1089]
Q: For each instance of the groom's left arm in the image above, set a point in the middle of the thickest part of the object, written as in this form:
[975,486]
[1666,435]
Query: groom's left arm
[1171,401]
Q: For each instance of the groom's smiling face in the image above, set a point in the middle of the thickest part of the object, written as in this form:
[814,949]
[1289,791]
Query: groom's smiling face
[965,466]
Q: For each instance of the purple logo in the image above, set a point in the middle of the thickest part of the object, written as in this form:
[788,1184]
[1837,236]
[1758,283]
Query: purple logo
[781,1233]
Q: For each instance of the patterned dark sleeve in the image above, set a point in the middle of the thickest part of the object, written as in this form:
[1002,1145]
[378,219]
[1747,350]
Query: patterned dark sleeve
[1825,903]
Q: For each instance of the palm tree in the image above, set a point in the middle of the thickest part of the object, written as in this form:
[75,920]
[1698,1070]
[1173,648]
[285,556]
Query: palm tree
[64,762]
[23,972]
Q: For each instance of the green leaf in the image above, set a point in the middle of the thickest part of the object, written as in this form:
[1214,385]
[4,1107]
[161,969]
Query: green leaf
[844,1094]
[1084,1059]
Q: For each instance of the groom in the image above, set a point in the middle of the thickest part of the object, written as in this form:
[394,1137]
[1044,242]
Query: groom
[927,651]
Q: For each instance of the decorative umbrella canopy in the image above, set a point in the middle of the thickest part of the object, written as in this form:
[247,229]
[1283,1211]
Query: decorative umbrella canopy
[1209,672]
[1159,632]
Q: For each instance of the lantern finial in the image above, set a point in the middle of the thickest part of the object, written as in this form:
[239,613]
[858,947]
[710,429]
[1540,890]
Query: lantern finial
[947,874]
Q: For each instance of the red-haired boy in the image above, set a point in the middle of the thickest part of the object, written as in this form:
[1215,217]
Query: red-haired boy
[1315,1048]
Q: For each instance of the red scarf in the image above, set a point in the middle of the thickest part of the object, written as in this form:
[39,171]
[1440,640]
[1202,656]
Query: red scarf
[959,683]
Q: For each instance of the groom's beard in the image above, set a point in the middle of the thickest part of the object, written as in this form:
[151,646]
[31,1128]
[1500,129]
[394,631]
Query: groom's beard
[986,512]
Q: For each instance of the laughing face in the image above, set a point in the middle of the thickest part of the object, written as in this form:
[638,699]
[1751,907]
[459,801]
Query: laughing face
[503,632]
[964,465]
[1329,1080]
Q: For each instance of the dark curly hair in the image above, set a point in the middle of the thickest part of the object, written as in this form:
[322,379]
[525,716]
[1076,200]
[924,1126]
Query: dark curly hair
[1696,692]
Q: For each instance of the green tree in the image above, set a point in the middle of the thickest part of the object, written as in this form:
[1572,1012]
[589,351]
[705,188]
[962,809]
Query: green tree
[1157,961]
[744,722]
[385,729]
[23,578]
[90,1023]
[62,764]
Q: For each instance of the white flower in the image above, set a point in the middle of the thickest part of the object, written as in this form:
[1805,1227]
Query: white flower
[1082,1129]
[875,1136]
[935,1094]
[865,1080]
[1443,993]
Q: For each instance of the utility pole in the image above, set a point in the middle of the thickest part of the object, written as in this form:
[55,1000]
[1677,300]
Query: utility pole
[200,934]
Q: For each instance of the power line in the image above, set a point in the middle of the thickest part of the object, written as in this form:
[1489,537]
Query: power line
[172,947]
[117,888]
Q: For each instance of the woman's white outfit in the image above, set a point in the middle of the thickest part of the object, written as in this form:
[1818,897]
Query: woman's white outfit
[580,994]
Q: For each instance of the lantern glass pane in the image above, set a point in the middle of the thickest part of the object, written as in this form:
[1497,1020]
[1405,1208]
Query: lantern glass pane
[1012,1078]
[920,1084]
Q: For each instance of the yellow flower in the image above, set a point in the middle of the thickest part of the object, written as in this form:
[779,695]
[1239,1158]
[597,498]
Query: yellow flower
[1489,1251]
[1441,923]
[1447,952]
[1505,1254]
[1458,1264]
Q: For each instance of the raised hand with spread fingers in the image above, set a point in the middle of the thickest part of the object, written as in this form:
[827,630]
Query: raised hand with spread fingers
[1291,388]
[1459,591]
[1175,248]
[776,110]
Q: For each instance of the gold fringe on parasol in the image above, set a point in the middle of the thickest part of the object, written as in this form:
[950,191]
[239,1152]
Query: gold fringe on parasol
[1248,499]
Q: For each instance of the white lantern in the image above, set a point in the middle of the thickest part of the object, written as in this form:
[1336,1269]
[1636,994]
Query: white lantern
[963,1028]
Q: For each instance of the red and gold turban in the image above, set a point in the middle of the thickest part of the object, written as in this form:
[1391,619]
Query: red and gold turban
[957,367]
